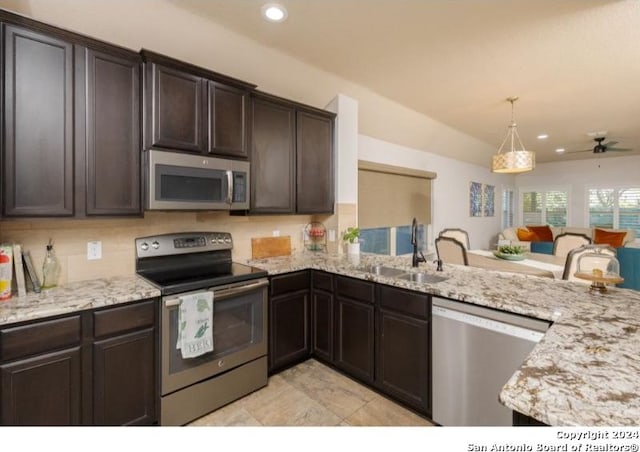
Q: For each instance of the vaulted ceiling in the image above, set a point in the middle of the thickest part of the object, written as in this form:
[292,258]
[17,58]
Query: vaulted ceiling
[575,64]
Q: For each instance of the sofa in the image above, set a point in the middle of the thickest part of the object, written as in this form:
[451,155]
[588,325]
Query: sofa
[509,236]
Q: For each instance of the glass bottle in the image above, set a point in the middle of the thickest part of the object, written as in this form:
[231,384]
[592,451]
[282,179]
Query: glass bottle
[50,268]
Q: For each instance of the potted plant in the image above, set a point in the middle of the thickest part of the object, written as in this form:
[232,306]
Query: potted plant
[351,236]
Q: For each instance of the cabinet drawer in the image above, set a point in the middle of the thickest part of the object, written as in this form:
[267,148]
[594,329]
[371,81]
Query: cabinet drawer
[405,301]
[130,317]
[291,282]
[322,281]
[39,337]
[355,289]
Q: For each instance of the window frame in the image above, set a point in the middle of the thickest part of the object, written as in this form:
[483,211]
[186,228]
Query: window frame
[616,205]
[544,191]
[514,207]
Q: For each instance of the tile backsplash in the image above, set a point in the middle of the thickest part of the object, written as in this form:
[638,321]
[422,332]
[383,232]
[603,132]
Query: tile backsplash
[70,237]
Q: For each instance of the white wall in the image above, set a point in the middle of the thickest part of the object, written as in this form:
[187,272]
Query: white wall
[577,175]
[450,191]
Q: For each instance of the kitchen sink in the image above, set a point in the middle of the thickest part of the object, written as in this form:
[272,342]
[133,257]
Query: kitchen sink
[381,270]
[423,278]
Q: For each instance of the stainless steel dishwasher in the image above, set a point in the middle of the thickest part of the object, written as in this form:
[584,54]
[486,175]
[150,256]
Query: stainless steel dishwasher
[475,351]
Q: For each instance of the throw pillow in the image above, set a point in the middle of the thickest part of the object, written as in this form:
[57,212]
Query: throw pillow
[614,239]
[526,235]
[543,232]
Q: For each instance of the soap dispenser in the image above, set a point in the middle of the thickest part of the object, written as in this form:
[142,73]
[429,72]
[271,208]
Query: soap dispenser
[50,268]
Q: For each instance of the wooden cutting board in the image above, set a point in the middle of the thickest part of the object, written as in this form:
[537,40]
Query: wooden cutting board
[262,247]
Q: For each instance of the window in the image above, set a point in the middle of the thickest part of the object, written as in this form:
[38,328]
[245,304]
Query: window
[389,197]
[508,205]
[615,208]
[544,207]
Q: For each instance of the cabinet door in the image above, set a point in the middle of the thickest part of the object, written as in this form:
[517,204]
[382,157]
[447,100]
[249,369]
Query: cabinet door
[44,390]
[227,120]
[38,124]
[322,328]
[124,379]
[354,350]
[403,359]
[178,109]
[288,330]
[112,135]
[314,153]
[272,157]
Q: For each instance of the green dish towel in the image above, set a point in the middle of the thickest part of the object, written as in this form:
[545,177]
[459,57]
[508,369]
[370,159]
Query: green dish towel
[195,324]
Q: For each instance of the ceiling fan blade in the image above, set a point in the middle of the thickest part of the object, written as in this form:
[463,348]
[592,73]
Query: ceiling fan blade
[610,144]
[574,152]
[619,149]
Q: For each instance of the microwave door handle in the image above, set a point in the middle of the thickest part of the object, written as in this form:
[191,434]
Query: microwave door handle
[229,187]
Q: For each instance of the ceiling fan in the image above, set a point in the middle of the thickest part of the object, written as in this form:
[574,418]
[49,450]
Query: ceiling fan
[601,147]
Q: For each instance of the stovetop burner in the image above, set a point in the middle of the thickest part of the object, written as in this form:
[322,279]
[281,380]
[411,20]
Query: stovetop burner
[190,261]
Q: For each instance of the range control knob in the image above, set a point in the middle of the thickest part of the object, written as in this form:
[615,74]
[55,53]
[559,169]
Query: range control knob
[227,240]
[144,246]
[155,245]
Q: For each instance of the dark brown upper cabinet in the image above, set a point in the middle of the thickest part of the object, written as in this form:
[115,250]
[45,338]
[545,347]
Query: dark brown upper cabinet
[192,109]
[112,133]
[228,120]
[291,157]
[38,124]
[72,120]
[273,157]
[314,132]
[177,109]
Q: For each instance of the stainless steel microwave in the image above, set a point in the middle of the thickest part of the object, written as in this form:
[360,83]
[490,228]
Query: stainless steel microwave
[177,181]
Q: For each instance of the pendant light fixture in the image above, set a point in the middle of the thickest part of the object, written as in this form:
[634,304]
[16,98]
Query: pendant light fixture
[517,159]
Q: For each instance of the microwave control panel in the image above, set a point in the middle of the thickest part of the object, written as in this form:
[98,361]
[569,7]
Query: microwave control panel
[239,187]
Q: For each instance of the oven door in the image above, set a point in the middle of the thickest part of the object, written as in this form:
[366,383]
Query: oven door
[188,182]
[239,334]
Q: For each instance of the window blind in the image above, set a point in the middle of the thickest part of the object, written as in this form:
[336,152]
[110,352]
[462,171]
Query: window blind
[508,204]
[545,207]
[392,196]
[617,208]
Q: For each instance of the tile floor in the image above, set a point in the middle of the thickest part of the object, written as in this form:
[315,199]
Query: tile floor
[312,394]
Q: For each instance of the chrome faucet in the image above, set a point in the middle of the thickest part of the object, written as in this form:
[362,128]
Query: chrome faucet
[415,259]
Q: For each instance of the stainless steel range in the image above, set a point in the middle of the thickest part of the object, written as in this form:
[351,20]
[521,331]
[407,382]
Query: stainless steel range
[187,263]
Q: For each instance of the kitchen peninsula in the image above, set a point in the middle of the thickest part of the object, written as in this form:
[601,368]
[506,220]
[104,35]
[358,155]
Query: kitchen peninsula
[584,370]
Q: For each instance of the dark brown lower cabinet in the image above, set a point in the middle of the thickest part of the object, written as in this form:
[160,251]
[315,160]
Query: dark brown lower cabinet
[92,367]
[289,320]
[522,420]
[354,348]
[124,394]
[322,329]
[403,358]
[289,330]
[44,390]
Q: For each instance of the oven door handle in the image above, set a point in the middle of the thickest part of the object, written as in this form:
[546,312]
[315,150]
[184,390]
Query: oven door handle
[225,293]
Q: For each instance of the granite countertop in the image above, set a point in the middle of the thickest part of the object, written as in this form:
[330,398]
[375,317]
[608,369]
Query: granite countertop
[76,296]
[584,372]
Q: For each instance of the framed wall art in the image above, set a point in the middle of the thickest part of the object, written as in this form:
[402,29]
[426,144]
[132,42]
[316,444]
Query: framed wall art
[475,199]
[488,200]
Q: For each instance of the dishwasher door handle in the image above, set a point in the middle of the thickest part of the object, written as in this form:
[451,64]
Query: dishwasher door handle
[487,324]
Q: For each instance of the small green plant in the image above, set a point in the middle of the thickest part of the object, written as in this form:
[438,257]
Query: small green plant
[511,249]
[351,235]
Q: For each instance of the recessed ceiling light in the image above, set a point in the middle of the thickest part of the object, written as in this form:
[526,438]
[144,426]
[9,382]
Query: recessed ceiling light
[274,12]
[543,136]
[560,150]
